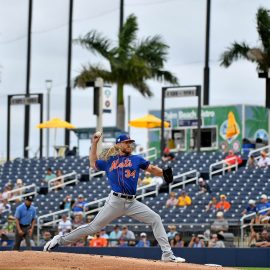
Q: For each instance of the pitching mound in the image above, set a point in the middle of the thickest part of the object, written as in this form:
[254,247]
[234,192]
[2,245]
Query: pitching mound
[36,260]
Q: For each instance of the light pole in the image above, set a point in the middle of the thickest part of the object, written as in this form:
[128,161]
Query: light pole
[48,84]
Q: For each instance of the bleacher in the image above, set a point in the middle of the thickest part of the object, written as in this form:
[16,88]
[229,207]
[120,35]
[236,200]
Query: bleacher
[239,186]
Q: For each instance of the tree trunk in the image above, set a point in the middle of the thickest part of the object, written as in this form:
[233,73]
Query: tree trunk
[267,92]
[120,114]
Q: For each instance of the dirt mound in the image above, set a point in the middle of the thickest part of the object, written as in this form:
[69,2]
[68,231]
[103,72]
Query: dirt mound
[36,260]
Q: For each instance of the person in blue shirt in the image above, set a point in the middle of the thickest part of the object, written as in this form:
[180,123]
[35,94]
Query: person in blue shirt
[122,170]
[251,208]
[25,221]
[263,205]
[143,242]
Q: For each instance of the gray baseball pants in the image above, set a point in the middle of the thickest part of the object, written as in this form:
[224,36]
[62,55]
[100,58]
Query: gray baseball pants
[115,207]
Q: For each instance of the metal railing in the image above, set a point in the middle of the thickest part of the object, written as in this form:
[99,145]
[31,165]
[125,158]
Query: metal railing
[254,152]
[225,166]
[243,226]
[96,174]
[146,153]
[55,219]
[185,180]
[23,189]
[51,185]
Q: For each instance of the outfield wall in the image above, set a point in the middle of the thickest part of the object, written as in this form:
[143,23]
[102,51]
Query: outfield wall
[235,257]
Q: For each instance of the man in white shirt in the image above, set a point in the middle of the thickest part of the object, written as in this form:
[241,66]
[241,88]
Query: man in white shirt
[264,160]
[64,225]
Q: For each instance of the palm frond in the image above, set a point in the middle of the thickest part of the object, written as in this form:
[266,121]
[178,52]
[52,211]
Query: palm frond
[263,27]
[165,76]
[153,50]
[90,73]
[233,53]
[96,43]
[127,34]
[143,88]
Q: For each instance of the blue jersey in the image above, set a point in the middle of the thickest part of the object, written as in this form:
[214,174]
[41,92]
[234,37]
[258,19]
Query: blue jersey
[123,172]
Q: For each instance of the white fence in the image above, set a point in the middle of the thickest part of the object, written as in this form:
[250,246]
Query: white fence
[224,166]
[243,226]
[71,178]
[184,181]
[25,190]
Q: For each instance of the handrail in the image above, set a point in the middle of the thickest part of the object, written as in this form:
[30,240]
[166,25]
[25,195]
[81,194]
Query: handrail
[242,226]
[148,156]
[184,176]
[95,174]
[259,150]
[54,214]
[52,187]
[143,188]
[23,189]
[224,167]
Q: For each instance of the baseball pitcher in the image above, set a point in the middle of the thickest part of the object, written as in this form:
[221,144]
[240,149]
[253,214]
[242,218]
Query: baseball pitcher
[122,170]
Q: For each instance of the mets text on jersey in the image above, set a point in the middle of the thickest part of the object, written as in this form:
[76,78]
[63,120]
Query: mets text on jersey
[115,164]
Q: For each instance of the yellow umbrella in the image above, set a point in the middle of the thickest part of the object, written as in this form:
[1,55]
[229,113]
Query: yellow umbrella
[147,121]
[55,123]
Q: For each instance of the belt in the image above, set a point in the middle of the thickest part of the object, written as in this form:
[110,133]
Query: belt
[24,225]
[120,195]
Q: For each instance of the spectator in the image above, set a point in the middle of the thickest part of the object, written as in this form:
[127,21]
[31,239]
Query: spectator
[8,229]
[172,201]
[158,181]
[115,235]
[19,184]
[64,225]
[25,221]
[167,155]
[128,236]
[255,226]
[223,205]
[251,208]
[264,160]
[216,241]
[4,206]
[78,220]
[49,175]
[232,159]
[184,200]
[177,241]
[212,205]
[196,242]
[143,242]
[78,206]
[264,240]
[6,193]
[252,163]
[263,205]
[46,237]
[147,180]
[172,232]
[97,241]
[24,244]
[57,184]
[203,186]
[67,203]
[80,243]
[103,234]
[220,224]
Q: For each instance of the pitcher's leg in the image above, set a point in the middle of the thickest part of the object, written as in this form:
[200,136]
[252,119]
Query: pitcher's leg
[113,208]
[143,213]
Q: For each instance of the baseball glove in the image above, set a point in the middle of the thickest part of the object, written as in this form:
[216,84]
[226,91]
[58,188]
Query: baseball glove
[107,153]
[168,175]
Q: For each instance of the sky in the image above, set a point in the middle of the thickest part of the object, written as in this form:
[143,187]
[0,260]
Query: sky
[181,23]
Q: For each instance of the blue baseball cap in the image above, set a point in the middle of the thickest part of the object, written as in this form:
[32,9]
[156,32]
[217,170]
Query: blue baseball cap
[123,138]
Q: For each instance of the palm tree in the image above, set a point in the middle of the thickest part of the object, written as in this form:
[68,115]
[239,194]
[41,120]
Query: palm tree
[260,55]
[132,62]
